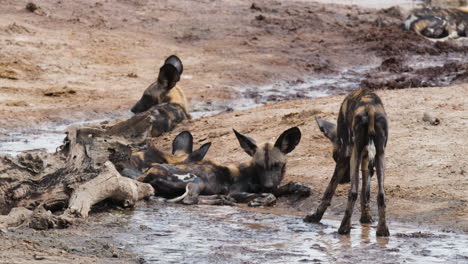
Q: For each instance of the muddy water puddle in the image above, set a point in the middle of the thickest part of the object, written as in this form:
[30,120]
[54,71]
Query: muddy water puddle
[42,138]
[256,95]
[162,233]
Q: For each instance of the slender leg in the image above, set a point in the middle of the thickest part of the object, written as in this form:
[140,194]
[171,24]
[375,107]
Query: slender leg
[345,226]
[366,217]
[340,169]
[382,229]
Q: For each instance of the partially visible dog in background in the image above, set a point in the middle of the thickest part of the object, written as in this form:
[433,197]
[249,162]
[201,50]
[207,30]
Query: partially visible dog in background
[439,23]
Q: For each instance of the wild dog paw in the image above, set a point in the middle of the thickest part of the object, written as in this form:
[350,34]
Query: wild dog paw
[266,199]
[366,217]
[312,218]
[190,200]
[382,231]
[344,229]
[300,189]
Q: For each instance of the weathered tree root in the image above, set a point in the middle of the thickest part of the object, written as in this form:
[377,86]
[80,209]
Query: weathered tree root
[16,217]
[108,184]
[81,174]
[39,219]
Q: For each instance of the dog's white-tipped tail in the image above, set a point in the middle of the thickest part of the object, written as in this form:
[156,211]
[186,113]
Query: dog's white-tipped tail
[179,198]
[371,149]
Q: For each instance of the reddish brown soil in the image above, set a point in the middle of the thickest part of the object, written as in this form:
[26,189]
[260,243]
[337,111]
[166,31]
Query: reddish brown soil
[96,57]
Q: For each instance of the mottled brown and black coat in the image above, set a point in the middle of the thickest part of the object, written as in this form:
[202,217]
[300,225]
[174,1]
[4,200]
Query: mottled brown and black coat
[163,100]
[254,181]
[359,140]
[439,23]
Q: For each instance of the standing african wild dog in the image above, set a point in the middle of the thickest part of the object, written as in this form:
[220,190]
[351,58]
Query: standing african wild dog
[439,23]
[359,138]
[165,102]
[182,152]
[253,181]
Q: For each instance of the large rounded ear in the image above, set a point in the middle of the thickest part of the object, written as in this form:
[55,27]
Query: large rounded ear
[328,129]
[288,140]
[176,62]
[248,144]
[198,154]
[182,143]
[168,76]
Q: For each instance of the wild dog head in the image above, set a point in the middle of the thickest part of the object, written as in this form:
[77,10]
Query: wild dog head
[269,160]
[158,92]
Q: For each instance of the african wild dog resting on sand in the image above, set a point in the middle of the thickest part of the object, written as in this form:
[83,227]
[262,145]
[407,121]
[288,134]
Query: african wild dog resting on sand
[182,152]
[359,138]
[165,102]
[207,182]
[439,23]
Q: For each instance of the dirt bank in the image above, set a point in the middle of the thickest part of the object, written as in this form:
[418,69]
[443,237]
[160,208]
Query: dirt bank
[72,61]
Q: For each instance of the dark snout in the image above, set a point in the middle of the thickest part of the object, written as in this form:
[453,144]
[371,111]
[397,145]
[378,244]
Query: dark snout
[270,181]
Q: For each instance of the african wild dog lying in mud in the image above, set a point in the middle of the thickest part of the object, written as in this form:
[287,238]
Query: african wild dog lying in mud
[163,99]
[359,138]
[182,152]
[255,182]
[439,23]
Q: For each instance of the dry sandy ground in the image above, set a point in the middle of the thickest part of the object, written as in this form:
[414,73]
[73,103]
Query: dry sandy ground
[75,60]
[91,59]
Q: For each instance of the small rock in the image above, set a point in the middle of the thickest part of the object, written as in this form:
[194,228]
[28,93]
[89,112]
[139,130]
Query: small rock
[37,257]
[31,7]
[430,119]
[255,7]
[260,17]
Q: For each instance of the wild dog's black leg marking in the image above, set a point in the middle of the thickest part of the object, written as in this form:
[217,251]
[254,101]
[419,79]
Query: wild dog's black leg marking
[216,199]
[340,169]
[243,197]
[264,199]
[382,229]
[253,199]
[293,188]
[345,226]
[366,217]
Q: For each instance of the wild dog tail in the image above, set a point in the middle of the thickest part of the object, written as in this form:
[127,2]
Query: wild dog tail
[371,134]
[179,198]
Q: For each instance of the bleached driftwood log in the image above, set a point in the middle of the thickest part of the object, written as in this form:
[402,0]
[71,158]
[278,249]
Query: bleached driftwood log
[109,184]
[75,178]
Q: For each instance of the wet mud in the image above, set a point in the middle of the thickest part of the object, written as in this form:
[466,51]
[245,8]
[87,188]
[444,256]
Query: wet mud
[162,233]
